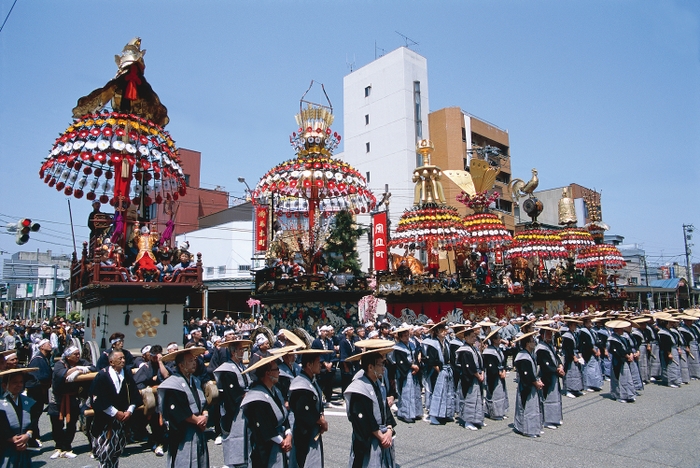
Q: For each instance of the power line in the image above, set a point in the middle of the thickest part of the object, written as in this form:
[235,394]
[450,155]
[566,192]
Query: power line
[8,15]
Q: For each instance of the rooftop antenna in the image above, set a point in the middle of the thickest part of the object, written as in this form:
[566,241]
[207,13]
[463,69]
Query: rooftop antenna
[350,65]
[408,41]
[375,51]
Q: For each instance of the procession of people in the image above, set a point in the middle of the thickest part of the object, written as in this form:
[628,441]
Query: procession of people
[271,398]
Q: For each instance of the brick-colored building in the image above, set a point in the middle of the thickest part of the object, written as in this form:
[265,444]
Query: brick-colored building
[455,134]
[196,203]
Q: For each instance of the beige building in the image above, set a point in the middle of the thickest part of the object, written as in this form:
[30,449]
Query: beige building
[456,134]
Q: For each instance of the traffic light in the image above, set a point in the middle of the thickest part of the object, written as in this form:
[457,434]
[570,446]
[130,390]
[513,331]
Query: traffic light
[24,227]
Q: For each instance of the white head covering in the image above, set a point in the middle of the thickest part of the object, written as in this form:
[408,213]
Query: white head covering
[260,339]
[70,350]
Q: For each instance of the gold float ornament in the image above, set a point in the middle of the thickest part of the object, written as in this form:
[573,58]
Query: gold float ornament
[146,325]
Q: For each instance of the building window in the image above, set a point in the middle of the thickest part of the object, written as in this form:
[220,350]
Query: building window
[503,177]
[417,110]
[243,267]
[368,90]
[366,119]
[187,180]
[42,283]
[222,270]
[464,134]
[210,272]
[417,118]
[367,147]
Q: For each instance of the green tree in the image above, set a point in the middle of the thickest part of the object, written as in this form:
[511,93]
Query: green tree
[341,244]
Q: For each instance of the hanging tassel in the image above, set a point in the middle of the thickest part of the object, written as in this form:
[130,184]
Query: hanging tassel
[127,316]
[98,319]
[132,79]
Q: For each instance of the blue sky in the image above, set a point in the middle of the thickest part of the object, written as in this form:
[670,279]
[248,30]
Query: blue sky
[605,94]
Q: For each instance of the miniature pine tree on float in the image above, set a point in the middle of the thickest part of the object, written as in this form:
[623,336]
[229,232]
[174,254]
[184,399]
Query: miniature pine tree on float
[341,244]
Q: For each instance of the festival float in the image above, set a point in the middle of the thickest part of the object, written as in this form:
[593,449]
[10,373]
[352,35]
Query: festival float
[305,210]
[431,229]
[493,273]
[599,258]
[117,153]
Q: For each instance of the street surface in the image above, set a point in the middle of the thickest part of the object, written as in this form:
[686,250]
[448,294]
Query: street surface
[660,429]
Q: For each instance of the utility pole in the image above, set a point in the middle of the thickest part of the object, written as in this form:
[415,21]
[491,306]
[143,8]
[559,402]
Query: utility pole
[650,294]
[687,236]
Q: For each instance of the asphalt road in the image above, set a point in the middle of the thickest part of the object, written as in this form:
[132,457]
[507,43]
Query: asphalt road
[661,429]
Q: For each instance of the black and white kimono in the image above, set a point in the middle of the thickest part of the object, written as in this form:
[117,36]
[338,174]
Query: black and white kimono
[469,389]
[306,403]
[635,339]
[108,433]
[409,402]
[621,383]
[670,368]
[15,419]
[179,399]
[605,360]
[269,424]
[682,347]
[548,362]
[439,386]
[592,370]
[573,379]
[496,394]
[454,344]
[691,334]
[528,403]
[655,355]
[367,411]
[233,385]
[645,353]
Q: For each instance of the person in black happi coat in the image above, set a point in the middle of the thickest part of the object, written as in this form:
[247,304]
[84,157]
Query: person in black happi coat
[306,403]
[38,385]
[114,399]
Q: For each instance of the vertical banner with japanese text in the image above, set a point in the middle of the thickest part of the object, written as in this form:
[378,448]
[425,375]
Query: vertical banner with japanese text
[261,220]
[379,239]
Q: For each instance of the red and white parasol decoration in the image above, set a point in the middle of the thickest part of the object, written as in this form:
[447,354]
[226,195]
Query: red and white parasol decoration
[112,156]
[541,243]
[120,155]
[314,183]
[429,226]
[600,255]
[575,239]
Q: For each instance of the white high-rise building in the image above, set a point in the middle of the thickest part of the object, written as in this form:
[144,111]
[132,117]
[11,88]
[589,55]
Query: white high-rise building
[385,113]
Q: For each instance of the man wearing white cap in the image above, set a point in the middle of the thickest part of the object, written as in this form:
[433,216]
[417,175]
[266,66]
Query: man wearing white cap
[327,369]
[263,349]
[64,406]
[347,349]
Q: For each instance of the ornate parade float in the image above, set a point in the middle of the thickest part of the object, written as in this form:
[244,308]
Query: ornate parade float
[117,154]
[306,231]
[491,273]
